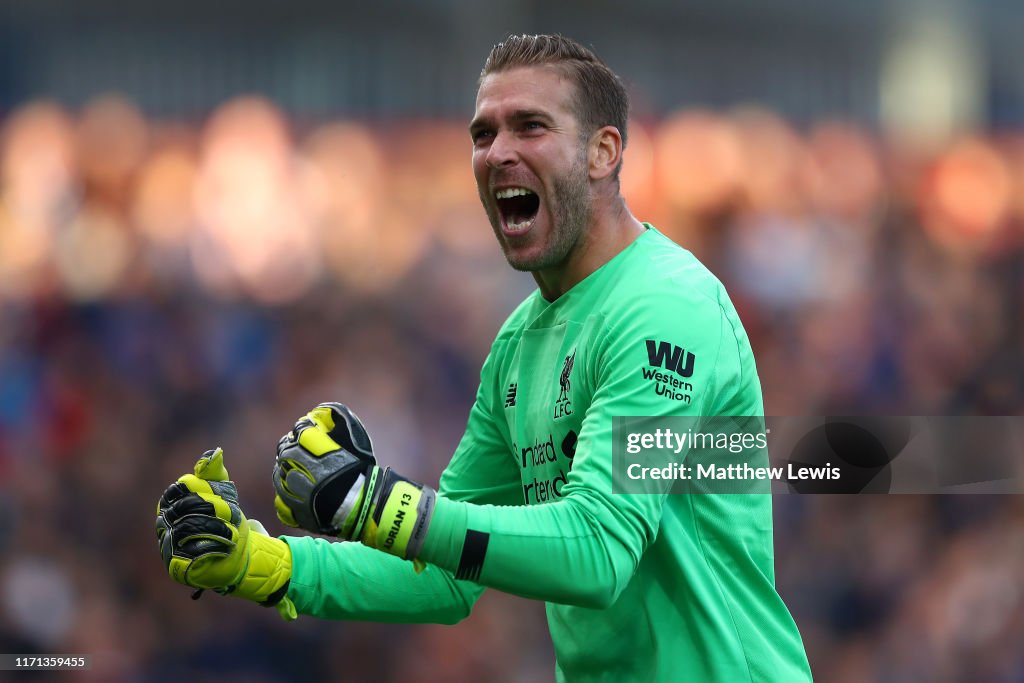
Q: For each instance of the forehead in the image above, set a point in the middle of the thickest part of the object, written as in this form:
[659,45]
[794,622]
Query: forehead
[534,88]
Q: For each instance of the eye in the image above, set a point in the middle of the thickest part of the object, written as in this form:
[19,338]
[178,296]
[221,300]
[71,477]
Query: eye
[480,136]
[533,126]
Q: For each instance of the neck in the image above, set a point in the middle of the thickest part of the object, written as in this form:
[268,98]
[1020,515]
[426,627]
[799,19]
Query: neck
[612,228]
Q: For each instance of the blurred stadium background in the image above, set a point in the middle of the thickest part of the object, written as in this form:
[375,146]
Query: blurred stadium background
[215,215]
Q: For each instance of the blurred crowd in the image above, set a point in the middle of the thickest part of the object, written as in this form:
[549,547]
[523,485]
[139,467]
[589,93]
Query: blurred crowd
[168,286]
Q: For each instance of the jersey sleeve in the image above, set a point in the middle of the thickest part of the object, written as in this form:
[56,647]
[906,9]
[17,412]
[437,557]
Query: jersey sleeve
[584,548]
[351,581]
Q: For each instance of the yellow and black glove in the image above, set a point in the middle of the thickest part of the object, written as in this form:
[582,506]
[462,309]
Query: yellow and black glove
[328,482]
[206,542]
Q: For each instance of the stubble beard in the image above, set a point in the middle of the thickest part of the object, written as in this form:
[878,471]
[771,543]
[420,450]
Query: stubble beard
[570,212]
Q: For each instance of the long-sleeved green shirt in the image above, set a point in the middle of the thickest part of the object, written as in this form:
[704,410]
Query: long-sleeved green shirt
[639,587]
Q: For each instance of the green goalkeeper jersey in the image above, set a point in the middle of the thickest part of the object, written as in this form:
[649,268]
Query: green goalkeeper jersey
[639,587]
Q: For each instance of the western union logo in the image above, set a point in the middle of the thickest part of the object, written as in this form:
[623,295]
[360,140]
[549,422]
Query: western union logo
[671,357]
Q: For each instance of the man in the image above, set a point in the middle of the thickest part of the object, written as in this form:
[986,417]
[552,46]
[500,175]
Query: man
[639,587]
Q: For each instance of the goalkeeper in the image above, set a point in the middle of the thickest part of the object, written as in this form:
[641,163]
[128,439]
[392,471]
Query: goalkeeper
[650,587]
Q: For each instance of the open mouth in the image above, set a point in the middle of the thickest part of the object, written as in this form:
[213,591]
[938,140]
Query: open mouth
[518,207]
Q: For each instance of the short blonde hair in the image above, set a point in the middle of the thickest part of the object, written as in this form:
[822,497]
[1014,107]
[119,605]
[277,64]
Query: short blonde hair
[601,98]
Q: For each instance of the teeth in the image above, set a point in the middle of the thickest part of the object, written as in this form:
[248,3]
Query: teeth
[512,192]
[516,227]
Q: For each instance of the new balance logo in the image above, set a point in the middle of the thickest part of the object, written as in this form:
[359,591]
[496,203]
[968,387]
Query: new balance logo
[664,355]
[510,396]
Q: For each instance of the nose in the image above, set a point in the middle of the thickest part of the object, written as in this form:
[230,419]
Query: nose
[501,153]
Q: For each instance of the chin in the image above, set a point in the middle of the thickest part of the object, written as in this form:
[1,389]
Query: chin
[520,262]
[521,266]
[530,261]
[520,259]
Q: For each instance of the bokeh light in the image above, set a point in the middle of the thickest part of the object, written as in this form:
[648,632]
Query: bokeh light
[967,196]
[699,161]
[39,191]
[162,206]
[772,160]
[847,173]
[92,254]
[112,138]
[255,234]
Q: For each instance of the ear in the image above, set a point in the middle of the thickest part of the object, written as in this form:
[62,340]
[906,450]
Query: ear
[605,152]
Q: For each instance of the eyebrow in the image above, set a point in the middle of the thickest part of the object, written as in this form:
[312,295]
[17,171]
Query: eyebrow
[517,116]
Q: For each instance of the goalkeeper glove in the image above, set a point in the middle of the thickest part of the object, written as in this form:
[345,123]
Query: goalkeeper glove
[328,482]
[206,542]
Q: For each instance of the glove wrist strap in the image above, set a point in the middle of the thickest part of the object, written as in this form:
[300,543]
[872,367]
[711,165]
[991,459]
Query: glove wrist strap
[364,505]
[277,595]
[400,512]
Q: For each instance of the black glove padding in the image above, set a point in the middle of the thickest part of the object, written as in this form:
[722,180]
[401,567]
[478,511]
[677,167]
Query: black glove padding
[321,468]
